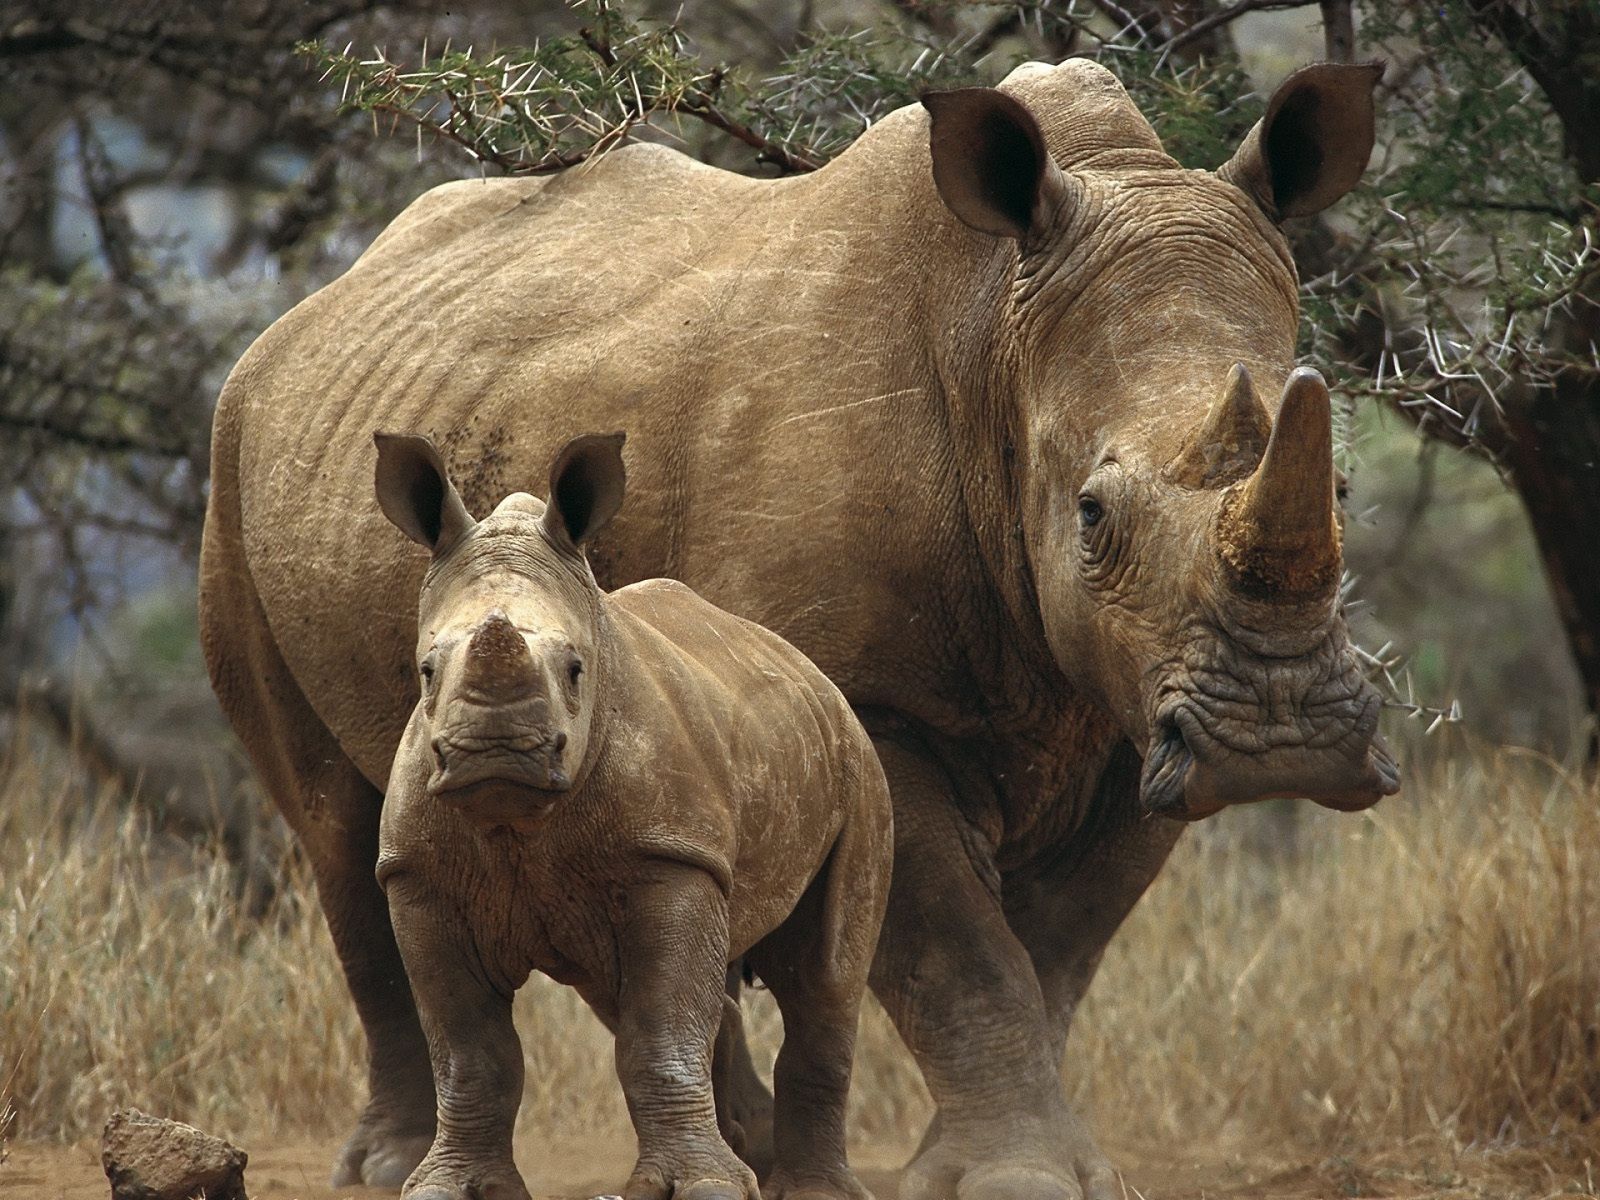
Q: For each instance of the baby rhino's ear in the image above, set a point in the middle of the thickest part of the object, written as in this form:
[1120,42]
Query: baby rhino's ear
[586,486]
[415,492]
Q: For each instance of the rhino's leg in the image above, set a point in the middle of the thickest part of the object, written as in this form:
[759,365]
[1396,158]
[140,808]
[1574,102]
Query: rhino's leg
[963,994]
[476,1055]
[334,812]
[673,955]
[816,965]
[744,1106]
[1066,913]
[397,1125]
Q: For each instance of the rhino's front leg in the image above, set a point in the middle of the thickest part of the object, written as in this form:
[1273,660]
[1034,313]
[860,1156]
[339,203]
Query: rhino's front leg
[1066,912]
[963,994]
[673,952]
[477,1057]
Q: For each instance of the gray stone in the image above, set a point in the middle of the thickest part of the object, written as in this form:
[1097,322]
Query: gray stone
[149,1158]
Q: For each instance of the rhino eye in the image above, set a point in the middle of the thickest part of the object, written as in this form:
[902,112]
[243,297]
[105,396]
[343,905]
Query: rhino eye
[426,671]
[1089,511]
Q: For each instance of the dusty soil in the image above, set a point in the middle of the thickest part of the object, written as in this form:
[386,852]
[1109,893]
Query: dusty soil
[578,1168]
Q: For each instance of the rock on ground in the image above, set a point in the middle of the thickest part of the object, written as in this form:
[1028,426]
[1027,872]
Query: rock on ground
[149,1158]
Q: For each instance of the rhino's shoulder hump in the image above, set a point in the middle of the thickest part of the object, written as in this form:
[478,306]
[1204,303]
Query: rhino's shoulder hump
[645,180]
[637,178]
[451,208]
[647,160]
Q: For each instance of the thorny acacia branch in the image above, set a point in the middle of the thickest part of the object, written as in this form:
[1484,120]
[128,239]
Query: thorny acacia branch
[561,102]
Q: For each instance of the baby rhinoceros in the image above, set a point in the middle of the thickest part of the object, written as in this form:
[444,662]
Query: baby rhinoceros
[627,792]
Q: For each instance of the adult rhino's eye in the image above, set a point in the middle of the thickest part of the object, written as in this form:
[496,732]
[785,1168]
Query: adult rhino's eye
[574,672]
[426,671]
[1102,537]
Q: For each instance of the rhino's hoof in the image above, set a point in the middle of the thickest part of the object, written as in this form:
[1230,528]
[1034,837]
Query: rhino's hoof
[1081,1177]
[652,1183]
[497,1186]
[1018,1183]
[834,1185]
[710,1189]
[379,1159]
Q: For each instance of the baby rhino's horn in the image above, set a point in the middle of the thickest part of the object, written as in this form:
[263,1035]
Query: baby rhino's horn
[498,661]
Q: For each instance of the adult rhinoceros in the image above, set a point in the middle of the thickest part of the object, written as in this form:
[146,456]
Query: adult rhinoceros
[967,415]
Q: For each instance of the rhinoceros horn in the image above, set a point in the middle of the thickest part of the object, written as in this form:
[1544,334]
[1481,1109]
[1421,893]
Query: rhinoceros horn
[499,666]
[1228,444]
[1276,530]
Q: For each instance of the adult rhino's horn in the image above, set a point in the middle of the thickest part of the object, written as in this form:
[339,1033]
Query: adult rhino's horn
[1277,531]
[499,665]
[1229,442]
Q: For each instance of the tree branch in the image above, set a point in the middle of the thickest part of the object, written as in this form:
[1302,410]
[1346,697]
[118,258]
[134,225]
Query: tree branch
[1338,31]
[106,443]
[1146,24]
[701,107]
[1565,72]
[1228,15]
[31,37]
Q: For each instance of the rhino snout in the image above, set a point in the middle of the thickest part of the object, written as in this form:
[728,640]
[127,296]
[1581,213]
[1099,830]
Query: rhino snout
[460,765]
[1192,771]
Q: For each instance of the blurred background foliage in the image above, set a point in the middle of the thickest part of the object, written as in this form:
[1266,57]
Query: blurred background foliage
[175,175]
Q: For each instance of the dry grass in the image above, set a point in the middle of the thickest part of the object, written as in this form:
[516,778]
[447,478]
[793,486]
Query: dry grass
[130,974]
[1428,973]
[1430,968]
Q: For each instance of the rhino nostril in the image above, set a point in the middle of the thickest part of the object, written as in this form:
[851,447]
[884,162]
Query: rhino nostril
[559,744]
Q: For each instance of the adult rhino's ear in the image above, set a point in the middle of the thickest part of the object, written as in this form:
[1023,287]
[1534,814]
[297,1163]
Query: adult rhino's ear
[415,492]
[990,163]
[1313,143]
[586,486]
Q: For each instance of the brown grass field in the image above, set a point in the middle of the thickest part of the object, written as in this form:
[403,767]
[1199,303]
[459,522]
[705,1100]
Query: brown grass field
[1405,1003]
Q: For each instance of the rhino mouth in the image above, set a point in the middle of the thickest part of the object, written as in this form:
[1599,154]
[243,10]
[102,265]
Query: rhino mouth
[461,768]
[1190,774]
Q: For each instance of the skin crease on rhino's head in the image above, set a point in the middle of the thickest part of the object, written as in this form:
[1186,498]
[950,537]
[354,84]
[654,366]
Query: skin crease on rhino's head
[1182,538]
[510,622]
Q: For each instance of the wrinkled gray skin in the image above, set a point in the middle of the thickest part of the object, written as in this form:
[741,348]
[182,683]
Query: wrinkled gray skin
[627,792]
[959,416]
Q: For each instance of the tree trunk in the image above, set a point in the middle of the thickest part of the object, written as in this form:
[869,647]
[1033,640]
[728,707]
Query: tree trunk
[1552,447]
[1553,440]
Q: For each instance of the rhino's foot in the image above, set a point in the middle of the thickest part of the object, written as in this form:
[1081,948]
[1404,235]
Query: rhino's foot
[712,1174]
[453,1177]
[785,1184]
[381,1153]
[1038,1165]
[748,1128]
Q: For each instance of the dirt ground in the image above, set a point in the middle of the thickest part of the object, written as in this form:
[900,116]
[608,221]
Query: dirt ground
[579,1168]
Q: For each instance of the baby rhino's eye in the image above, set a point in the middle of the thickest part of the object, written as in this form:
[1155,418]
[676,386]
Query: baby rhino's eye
[574,671]
[426,671]
[1089,510]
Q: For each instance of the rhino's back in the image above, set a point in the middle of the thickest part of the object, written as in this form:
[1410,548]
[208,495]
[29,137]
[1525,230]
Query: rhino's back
[737,674]
[733,327]
[739,741]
